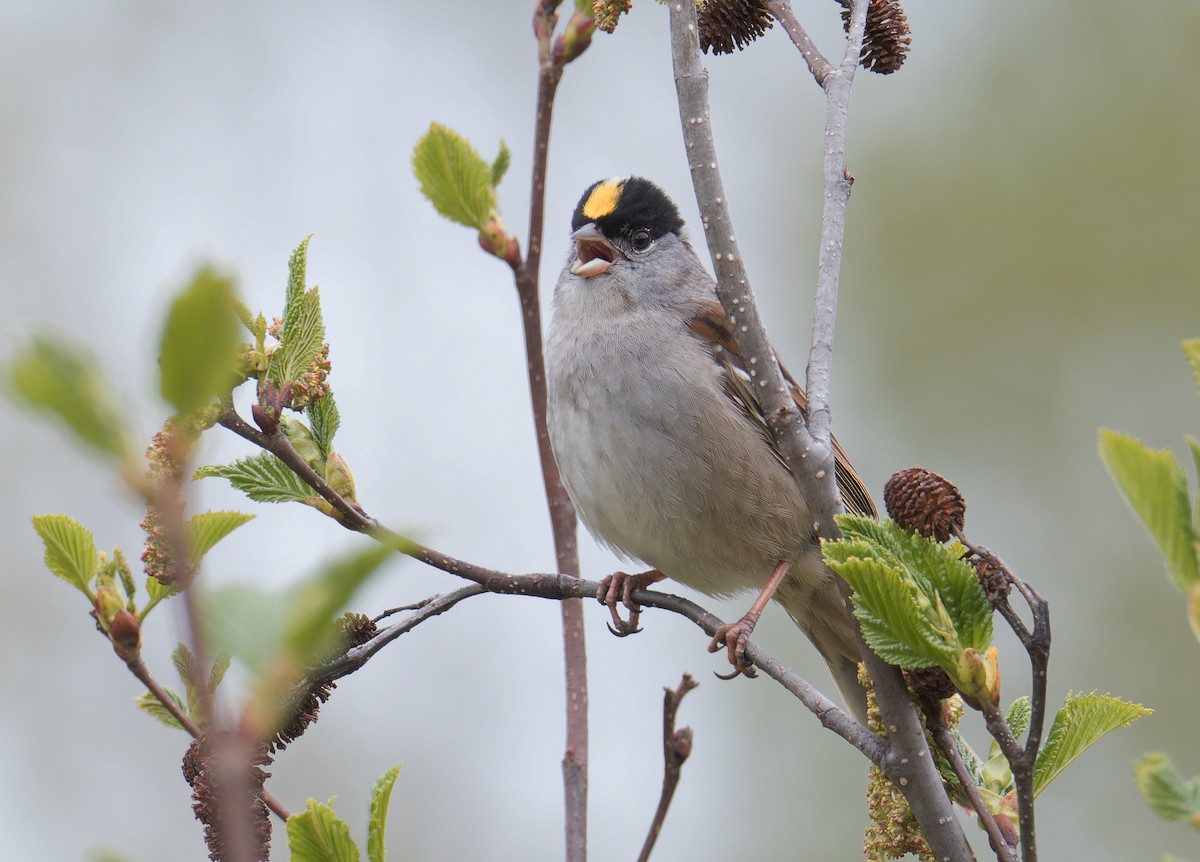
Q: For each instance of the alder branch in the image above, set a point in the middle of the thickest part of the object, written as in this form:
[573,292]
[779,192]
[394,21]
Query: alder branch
[677,747]
[805,439]
[1004,851]
[562,512]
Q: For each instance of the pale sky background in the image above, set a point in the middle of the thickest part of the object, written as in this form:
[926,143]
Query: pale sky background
[1020,272]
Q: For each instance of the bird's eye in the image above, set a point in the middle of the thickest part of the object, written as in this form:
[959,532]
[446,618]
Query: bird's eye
[641,240]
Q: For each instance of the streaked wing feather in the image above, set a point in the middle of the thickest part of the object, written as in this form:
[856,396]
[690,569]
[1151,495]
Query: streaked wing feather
[709,324]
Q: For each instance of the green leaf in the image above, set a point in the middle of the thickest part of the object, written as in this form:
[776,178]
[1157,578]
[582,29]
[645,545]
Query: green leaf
[1018,716]
[64,382]
[261,477]
[324,420]
[185,665]
[205,529]
[938,571]
[500,165]
[301,342]
[1156,488]
[151,705]
[217,673]
[311,607]
[244,621]
[1191,349]
[256,625]
[1194,446]
[316,834]
[1081,721]
[888,608]
[1169,795]
[304,442]
[121,567]
[70,550]
[200,343]
[297,283]
[158,591]
[381,795]
[454,177]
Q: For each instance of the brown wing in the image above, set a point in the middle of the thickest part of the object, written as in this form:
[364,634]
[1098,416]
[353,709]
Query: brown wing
[708,323]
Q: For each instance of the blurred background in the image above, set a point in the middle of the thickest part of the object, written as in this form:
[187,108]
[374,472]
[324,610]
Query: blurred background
[1020,271]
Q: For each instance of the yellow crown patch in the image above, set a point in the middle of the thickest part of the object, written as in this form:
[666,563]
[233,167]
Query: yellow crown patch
[602,200]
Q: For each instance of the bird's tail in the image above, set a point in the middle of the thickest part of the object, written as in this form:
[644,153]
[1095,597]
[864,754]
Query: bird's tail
[823,616]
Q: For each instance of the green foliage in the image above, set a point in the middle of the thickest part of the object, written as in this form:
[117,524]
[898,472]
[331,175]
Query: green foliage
[1082,720]
[1169,795]
[263,478]
[316,834]
[70,550]
[65,383]
[256,625]
[150,705]
[919,604]
[200,343]
[381,795]
[1191,349]
[324,421]
[1017,717]
[500,164]
[205,529]
[1156,487]
[455,178]
[302,333]
[304,442]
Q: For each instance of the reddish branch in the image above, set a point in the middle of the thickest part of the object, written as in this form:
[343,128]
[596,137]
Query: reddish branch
[677,746]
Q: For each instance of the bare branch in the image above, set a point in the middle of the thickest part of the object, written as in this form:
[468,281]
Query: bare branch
[677,746]
[820,67]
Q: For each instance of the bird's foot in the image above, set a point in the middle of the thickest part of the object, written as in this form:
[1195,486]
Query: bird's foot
[733,637]
[619,587]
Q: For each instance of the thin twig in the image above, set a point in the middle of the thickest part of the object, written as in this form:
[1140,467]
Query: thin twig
[138,668]
[562,512]
[1022,770]
[1004,851]
[677,746]
[821,68]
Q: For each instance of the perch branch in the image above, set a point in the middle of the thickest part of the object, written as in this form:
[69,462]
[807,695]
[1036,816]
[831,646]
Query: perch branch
[805,440]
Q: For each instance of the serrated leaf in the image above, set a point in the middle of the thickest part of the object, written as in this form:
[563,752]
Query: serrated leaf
[200,344]
[501,163]
[158,591]
[153,707]
[454,177]
[1155,486]
[297,282]
[261,477]
[70,550]
[1191,349]
[938,571]
[121,566]
[301,342]
[220,666]
[324,420]
[316,834]
[887,607]
[381,795]
[205,529]
[185,665]
[1082,720]
[1017,717]
[1168,794]
[64,382]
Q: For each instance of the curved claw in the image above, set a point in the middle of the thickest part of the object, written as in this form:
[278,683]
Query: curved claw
[734,638]
[618,588]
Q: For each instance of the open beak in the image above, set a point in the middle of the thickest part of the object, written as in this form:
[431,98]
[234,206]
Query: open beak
[593,254]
